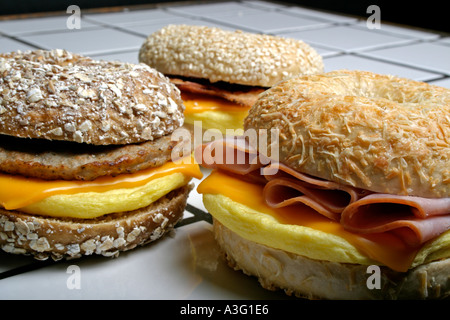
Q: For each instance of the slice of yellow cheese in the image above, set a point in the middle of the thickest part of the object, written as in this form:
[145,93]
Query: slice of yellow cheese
[90,199]
[214,113]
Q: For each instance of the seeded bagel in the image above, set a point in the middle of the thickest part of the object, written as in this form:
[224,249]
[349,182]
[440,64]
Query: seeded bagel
[61,96]
[376,132]
[64,116]
[233,57]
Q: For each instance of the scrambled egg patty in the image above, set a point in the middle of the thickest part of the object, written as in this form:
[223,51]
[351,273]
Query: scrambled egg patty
[90,205]
[220,120]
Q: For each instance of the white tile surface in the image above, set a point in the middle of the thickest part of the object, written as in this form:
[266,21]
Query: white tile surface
[267,5]
[39,25]
[130,56]
[208,9]
[445,41]
[442,82]
[130,17]
[144,29]
[401,31]
[268,22]
[322,15]
[427,55]
[185,266]
[7,45]
[353,62]
[324,52]
[87,41]
[349,39]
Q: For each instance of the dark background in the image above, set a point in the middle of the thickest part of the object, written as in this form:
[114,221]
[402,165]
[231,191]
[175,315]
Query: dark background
[432,14]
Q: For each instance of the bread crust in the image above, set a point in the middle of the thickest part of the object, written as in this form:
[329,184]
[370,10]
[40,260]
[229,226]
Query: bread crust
[234,57]
[316,279]
[58,95]
[377,132]
[58,238]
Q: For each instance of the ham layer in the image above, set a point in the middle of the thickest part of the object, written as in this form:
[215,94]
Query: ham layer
[415,220]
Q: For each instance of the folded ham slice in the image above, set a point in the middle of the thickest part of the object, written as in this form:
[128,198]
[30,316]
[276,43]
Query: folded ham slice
[413,219]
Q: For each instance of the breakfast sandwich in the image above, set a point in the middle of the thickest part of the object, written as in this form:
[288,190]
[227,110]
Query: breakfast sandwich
[353,203]
[221,73]
[86,155]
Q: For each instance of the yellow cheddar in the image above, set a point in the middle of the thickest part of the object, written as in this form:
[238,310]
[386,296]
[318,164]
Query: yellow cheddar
[90,199]
[214,113]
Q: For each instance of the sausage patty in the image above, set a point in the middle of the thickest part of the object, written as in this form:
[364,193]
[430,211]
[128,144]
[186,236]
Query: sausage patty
[65,160]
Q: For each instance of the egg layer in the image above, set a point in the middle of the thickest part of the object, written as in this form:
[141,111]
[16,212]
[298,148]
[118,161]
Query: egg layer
[91,199]
[215,113]
[88,205]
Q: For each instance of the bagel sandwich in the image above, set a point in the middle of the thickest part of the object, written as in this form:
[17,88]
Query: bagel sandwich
[86,155]
[355,204]
[221,73]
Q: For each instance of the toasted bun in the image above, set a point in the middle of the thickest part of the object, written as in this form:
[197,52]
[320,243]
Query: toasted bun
[45,237]
[234,57]
[376,132]
[62,96]
[317,279]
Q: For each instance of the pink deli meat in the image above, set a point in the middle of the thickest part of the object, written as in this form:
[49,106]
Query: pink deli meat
[414,219]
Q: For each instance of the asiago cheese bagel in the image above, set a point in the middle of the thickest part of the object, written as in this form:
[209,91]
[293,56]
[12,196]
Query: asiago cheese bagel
[221,72]
[376,132]
[86,155]
[354,204]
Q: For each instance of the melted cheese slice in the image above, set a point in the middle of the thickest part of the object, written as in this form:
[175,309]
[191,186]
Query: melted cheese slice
[240,206]
[195,103]
[214,113]
[90,199]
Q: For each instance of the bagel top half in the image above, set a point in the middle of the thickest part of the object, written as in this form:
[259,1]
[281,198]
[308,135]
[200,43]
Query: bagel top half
[59,95]
[233,57]
[376,132]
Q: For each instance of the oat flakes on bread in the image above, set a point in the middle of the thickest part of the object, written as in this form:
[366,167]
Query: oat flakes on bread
[68,118]
[362,180]
[61,96]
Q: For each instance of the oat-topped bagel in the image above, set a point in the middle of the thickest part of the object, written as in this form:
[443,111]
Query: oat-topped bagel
[221,55]
[86,155]
[61,96]
[376,132]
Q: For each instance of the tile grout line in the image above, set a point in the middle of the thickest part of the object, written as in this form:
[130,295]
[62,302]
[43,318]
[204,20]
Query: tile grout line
[35,265]
[199,215]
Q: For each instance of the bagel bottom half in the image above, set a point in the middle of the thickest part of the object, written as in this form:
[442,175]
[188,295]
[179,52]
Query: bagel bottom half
[315,278]
[45,237]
